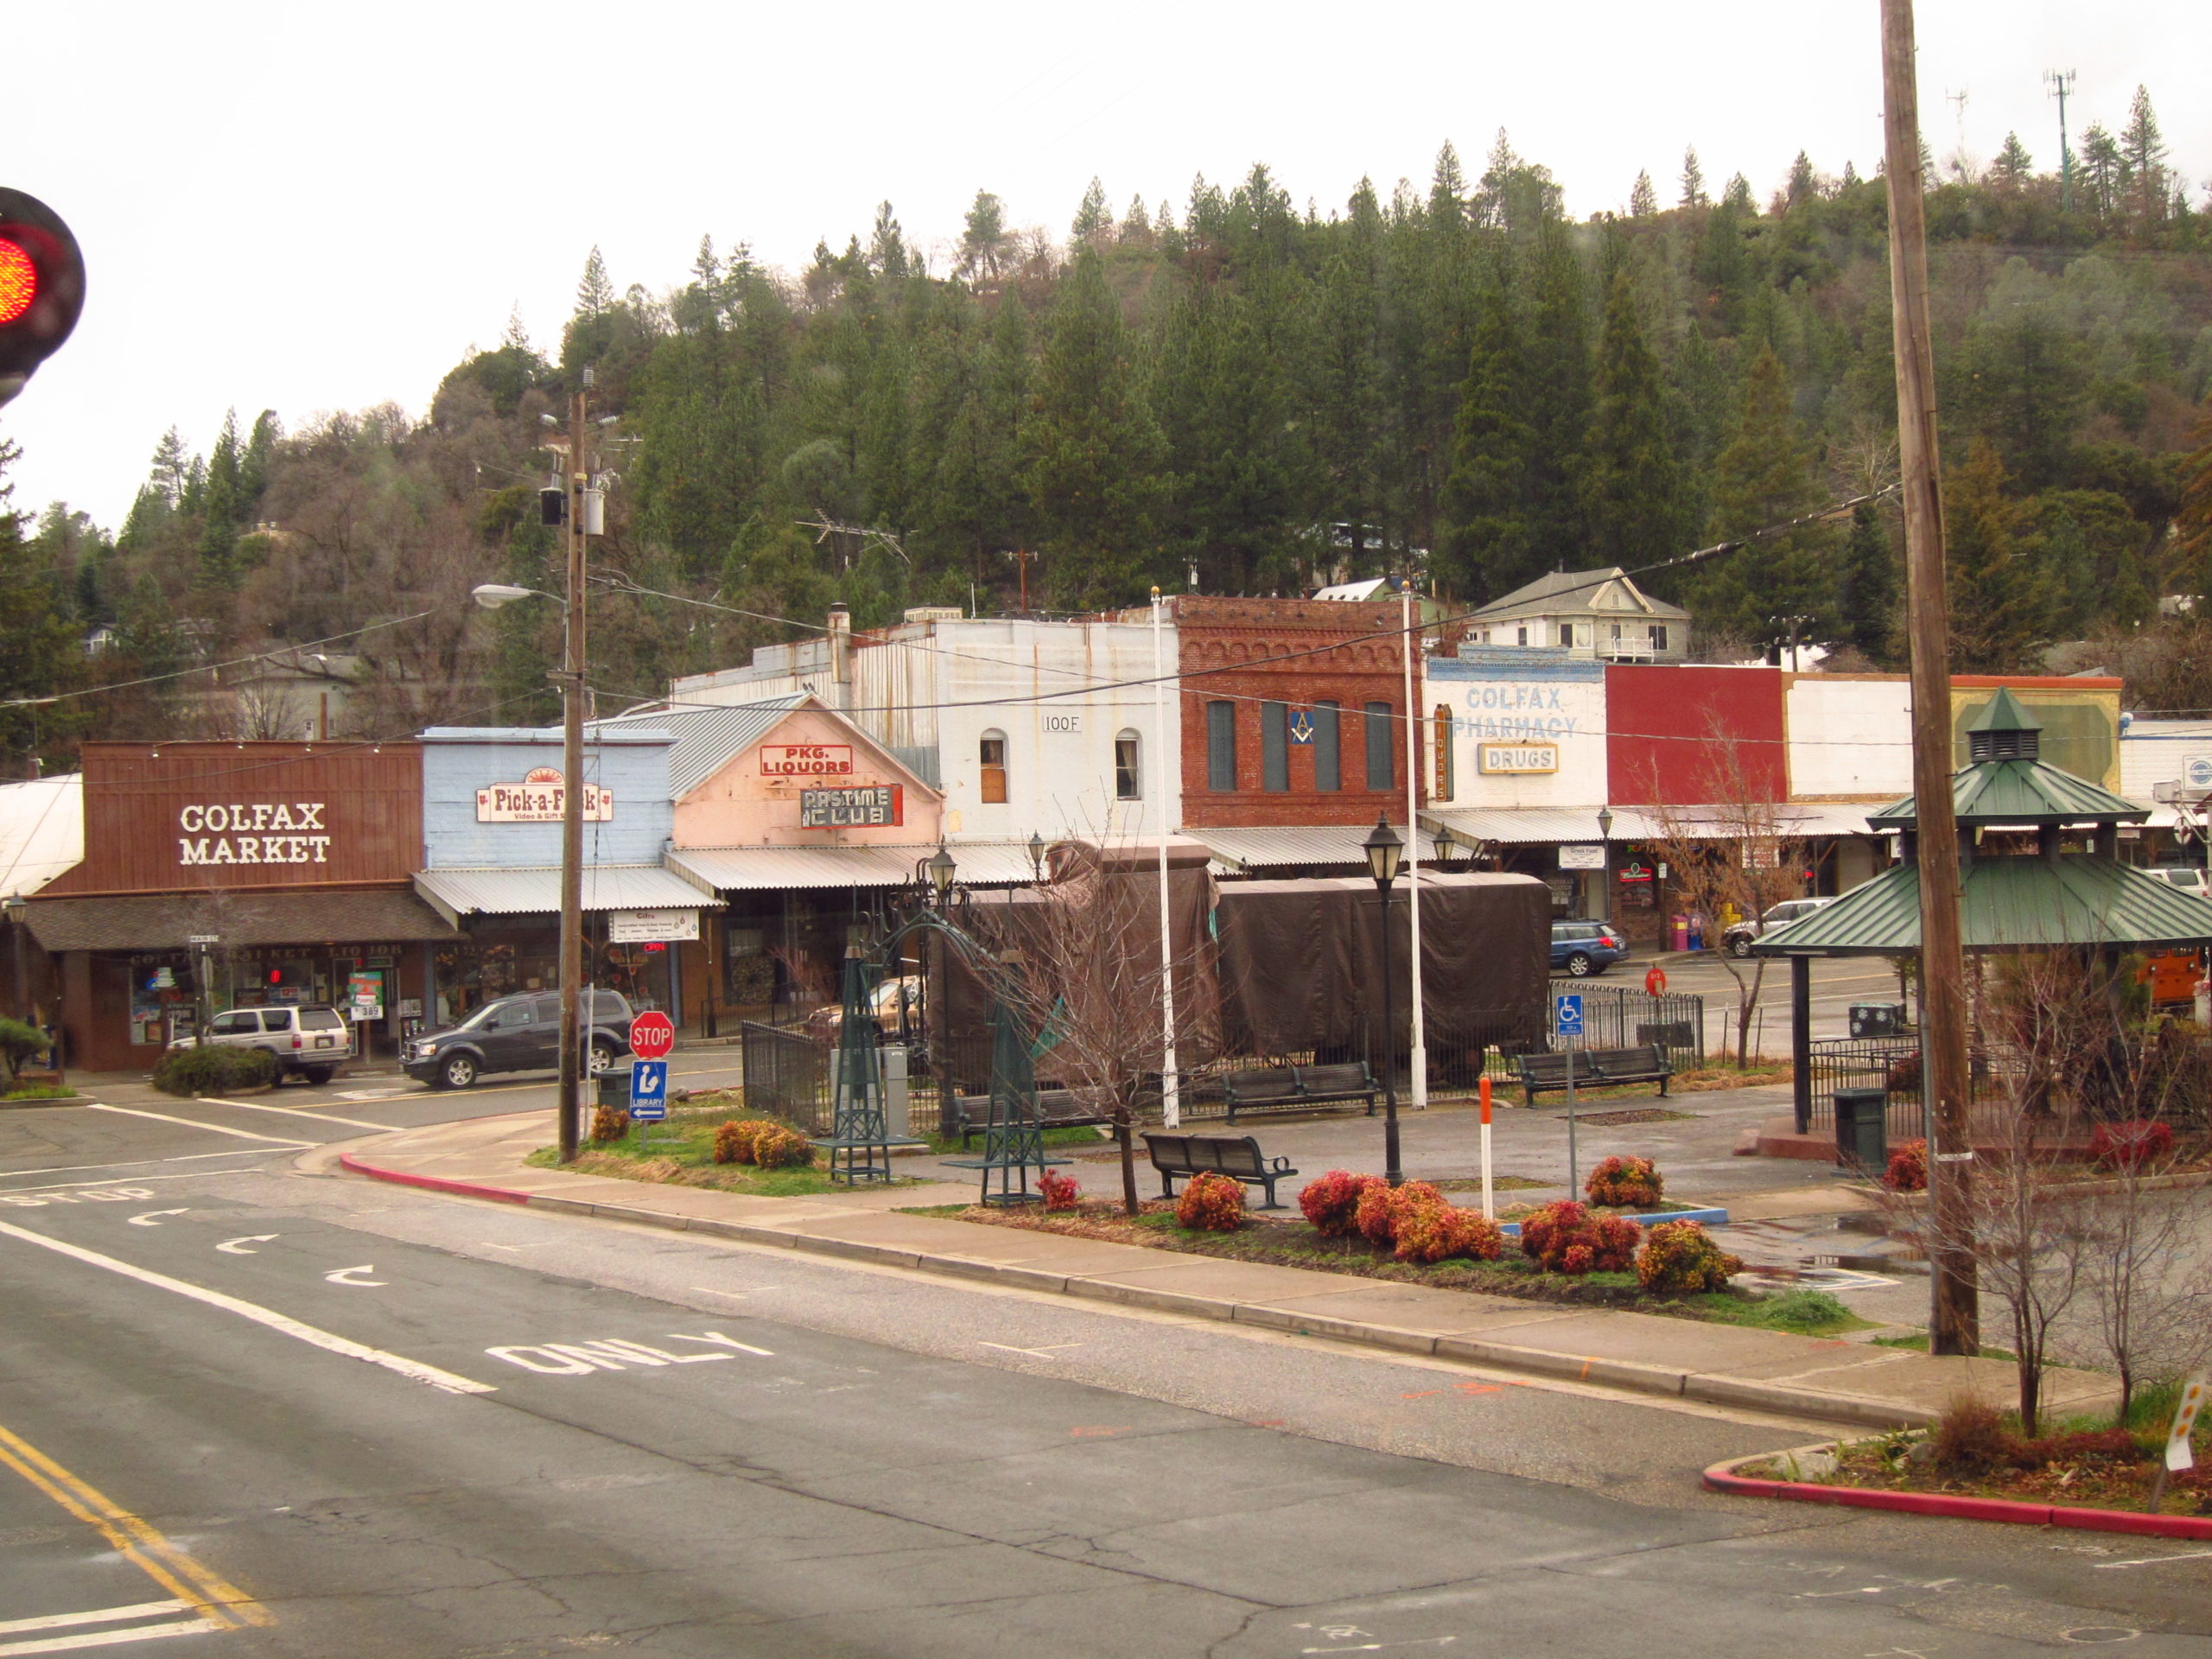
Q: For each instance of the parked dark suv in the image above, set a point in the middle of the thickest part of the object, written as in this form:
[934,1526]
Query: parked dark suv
[516,1033]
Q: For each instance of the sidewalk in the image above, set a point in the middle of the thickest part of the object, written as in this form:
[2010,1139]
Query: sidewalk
[1830,1381]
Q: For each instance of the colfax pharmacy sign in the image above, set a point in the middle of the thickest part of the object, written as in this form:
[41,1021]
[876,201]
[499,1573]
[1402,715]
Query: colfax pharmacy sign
[539,798]
[261,832]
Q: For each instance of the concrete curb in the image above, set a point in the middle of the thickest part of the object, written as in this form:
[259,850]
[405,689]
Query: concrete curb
[1745,1393]
[1723,1478]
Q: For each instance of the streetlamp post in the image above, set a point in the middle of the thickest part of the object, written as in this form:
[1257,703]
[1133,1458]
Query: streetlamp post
[1605,853]
[1383,850]
[14,905]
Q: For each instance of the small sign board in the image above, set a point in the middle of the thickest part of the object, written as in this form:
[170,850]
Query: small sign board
[2179,1456]
[2199,773]
[856,808]
[806,760]
[649,1091]
[1573,857]
[1492,759]
[1567,1013]
[541,797]
[651,927]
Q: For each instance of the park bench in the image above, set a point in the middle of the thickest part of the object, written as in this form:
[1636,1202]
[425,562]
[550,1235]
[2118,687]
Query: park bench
[1595,1068]
[1056,1109]
[1294,1087]
[1236,1156]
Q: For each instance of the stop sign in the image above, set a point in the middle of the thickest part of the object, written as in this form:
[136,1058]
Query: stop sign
[651,1035]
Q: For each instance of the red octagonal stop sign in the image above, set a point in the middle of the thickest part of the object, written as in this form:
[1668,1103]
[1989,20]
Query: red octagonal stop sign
[651,1035]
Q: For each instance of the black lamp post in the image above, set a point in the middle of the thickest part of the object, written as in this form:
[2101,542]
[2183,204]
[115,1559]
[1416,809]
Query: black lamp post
[1606,852]
[1036,855]
[941,869]
[1384,851]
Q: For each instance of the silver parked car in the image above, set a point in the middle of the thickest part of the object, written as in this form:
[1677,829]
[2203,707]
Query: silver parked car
[1741,937]
[311,1041]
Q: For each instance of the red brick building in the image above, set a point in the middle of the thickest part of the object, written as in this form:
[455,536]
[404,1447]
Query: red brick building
[1293,711]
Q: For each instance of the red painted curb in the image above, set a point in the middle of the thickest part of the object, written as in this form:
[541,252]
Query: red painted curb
[1722,1478]
[466,1189]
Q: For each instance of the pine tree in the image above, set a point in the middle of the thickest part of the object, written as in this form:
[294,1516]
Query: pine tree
[1693,182]
[1093,220]
[1643,200]
[1557,397]
[1632,485]
[1867,596]
[2013,166]
[1999,608]
[983,239]
[2193,523]
[1762,479]
[594,293]
[1803,186]
[886,248]
[2104,170]
[1096,459]
[217,570]
[2143,149]
[1489,546]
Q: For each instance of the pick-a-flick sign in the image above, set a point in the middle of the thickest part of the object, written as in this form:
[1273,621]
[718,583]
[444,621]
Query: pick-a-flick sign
[851,809]
[539,798]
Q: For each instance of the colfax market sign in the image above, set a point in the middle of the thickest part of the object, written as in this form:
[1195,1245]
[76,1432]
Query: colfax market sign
[539,798]
[263,832]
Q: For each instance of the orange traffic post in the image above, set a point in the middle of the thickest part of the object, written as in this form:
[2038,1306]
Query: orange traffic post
[1489,1207]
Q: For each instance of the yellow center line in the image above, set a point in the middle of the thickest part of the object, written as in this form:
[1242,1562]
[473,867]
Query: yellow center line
[215,1600]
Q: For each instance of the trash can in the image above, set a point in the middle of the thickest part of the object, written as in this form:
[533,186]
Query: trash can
[1862,1129]
[1678,931]
[614,1088]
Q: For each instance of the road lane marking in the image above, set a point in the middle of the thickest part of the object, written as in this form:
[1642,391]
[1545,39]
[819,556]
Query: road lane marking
[616,1354]
[2156,1560]
[217,1601]
[110,1638]
[345,1275]
[132,1163]
[414,1369]
[148,1219]
[99,1616]
[294,1111]
[1035,1353]
[96,1194]
[238,1246]
[213,1129]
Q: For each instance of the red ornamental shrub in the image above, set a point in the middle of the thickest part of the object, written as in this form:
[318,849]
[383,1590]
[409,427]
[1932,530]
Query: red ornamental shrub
[1565,1237]
[1331,1203]
[1060,1190]
[1908,1170]
[775,1147]
[1384,1209]
[1679,1259]
[1632,1183]
[2131,1143]
[1429,1232]
[733,1140]
[1211,1203]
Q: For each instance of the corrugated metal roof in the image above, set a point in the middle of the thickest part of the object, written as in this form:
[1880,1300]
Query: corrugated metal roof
[747,869]
[533,890]
[237,917]
[2007,903]
[1543,825]
[41,830]
[1274,847]
[707,737]
[2022,791]
[1520,826]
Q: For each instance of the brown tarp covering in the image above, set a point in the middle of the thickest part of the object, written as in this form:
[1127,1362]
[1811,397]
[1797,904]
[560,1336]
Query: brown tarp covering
[1301,961]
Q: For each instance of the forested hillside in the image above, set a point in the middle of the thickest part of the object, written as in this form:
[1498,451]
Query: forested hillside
[1237,390]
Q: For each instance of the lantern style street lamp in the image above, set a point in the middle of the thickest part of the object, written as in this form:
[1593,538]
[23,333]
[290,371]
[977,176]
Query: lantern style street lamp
[1385,852]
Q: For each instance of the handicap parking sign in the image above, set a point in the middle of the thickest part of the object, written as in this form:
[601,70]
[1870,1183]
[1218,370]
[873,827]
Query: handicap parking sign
[1568,1011]
[649,1091]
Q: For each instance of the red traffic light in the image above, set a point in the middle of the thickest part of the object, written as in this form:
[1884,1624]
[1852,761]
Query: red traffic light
[18,281]
[41,286]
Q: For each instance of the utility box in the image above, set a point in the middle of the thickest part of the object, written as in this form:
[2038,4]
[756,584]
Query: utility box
[614,1086]
[891,1057]
[1876,1019]
[1862,1129]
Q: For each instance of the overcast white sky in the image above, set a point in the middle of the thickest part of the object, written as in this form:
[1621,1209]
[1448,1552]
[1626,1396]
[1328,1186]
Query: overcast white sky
[308,207]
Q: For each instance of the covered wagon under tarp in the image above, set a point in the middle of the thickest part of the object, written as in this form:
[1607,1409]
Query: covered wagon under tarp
[1300,964]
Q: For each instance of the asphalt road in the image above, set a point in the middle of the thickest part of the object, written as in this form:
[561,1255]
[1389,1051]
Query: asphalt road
[1838,982]
[286,1413]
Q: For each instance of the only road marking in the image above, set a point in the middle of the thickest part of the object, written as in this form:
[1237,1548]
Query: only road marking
[345,1275]
[413,1369]
[238,1246]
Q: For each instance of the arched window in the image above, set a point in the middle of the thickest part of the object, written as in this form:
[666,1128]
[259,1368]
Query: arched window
[992,752]
[1129,773]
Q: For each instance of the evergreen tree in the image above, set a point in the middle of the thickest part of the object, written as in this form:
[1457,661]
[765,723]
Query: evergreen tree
[1557,398]
[1095,458]
[1093,220]
[1999,606]
[1762,479]
[594,292]
[2142,148]
[1632,485]
[2104,170]
[1692,194]
[1490,544]
[2193,523]
[38,647]
[1869,592]
[983,240]
[218,569]
[887,250]
[2013,166]
[1643,200]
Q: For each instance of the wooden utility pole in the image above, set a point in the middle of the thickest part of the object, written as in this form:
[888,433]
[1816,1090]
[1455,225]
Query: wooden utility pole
[572,792]
[1953,1314]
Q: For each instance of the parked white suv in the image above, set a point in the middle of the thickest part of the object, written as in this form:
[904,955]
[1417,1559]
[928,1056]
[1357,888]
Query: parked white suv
[1744,935]
[309,1042]
[2190,877]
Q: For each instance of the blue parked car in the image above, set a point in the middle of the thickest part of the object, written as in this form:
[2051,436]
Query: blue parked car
[1579,948]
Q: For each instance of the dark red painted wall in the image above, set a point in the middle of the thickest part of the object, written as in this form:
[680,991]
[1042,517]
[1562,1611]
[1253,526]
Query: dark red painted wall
[1690,734]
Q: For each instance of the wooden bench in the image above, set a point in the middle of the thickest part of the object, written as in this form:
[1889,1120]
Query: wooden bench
[1596,1068]
[1293,1088]
[1236,1156]
[1056,1109]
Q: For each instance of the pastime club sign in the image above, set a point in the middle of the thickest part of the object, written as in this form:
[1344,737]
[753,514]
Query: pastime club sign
[539,798]
[852,809]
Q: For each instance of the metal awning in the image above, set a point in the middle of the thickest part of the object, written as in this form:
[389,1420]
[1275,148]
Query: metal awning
[236,916]
[1274,847]
[1521,826]
[755,869]
[534,890]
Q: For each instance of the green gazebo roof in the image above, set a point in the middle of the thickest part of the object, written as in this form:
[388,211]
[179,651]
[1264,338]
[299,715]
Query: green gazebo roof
[2006,783]
[2019,903]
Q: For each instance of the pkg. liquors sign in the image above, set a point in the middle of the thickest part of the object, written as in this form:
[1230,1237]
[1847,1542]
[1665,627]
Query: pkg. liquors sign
[258,832]
[539,798]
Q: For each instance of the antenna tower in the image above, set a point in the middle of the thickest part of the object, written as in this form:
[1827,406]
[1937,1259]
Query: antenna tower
[2061,82]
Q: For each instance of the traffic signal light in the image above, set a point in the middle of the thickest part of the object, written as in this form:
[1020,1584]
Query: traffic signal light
[41,286]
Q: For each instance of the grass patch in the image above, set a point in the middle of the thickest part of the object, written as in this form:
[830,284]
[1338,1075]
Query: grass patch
[1498,1184]
[1649,1115]
[681,1153]
[1800,1313]
[39,1091]
[1916,1341]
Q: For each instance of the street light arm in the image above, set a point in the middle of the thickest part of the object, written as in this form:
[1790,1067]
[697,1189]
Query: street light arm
[493,594]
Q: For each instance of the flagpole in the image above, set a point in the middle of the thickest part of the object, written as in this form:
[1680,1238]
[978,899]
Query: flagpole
[1417,1060]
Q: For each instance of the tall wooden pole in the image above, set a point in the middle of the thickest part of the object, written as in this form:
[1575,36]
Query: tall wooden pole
[1954,1324]
[572,793]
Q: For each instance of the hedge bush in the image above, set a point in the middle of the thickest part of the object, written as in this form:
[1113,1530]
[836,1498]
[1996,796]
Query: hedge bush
[1331,1203]
[1631,1183]
[1429,1232]
[210,1069]
[1565,1237]
[1212,1202]
[734,1139]
[1908,1170]
[21,1042]
[776,1146]
[2131,1143]
[1679,1258]
[1060,1191]
[609,1122]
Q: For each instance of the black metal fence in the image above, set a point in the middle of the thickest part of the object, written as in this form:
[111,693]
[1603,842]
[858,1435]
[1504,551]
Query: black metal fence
[1887,1063]
[1618,1016]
